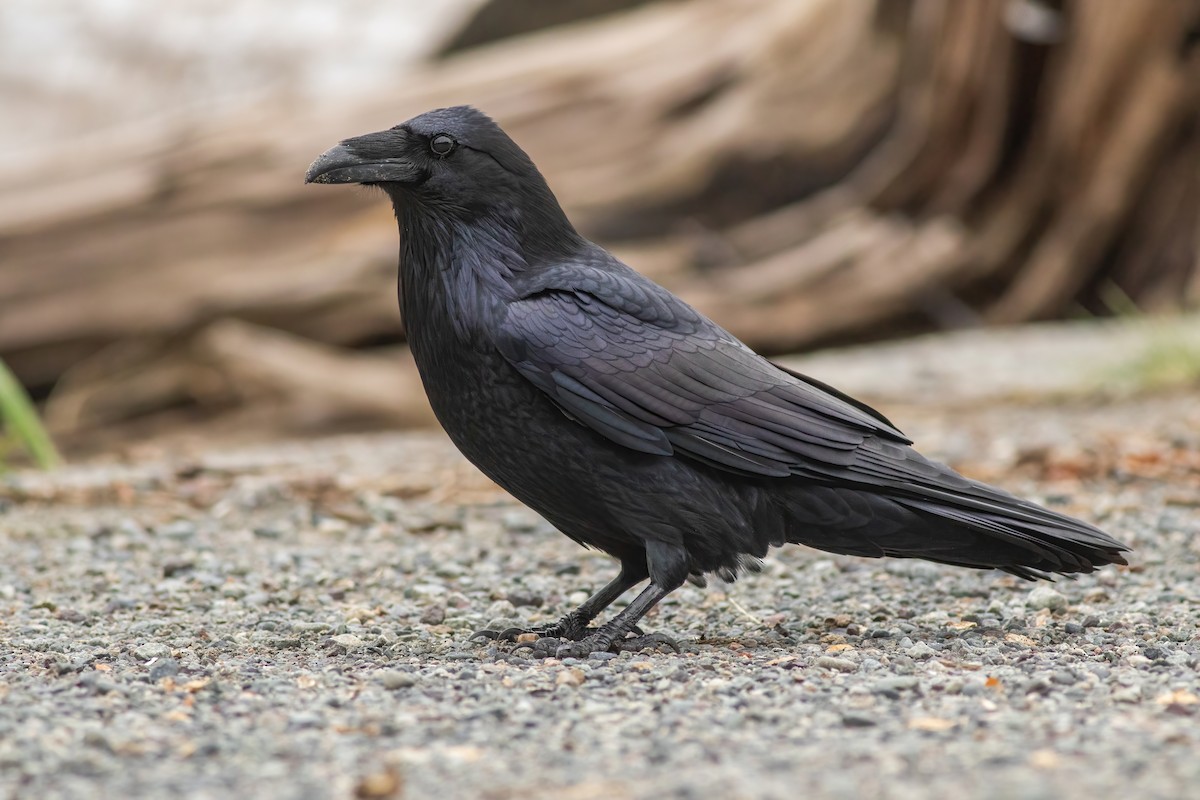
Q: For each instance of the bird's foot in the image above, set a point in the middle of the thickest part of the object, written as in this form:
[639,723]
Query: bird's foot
[566,628]
[602,641]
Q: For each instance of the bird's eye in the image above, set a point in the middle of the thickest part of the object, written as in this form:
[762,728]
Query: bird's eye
[442,144]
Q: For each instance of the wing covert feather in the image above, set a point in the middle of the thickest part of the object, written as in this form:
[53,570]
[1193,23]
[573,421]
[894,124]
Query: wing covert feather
[626,358]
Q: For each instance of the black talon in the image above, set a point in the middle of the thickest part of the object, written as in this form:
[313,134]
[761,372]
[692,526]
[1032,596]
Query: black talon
[644,640]
[601,641]
[487,634]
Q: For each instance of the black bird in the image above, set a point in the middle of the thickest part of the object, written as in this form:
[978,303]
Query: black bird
[633,423]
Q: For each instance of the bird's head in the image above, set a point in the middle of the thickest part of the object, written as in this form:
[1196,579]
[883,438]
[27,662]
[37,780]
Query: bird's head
[452,160]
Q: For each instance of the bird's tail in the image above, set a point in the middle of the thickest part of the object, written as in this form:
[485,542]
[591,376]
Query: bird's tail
[969,525]
[1014,535]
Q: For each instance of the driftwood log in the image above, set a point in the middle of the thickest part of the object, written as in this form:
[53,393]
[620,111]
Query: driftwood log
[805,172]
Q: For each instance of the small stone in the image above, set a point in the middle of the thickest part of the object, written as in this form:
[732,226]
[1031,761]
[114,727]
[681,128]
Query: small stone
[1064,678]
[394,679]
[348,642]
[920,651]
[857,719]
[173,566]
[931,724]
[164,668]
[380,784]
[501,608]
[434,614]
[1045,597]
[572,676]
[1073,628]
[520,521]
[180,530]
[152,650]
[426,590]
[306,719]
[1127,694]
[1044,759]
[450,569]
[838,664]
[896,684]
[521,598]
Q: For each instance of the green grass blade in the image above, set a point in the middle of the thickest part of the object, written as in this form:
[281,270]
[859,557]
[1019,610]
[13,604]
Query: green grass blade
[21,419]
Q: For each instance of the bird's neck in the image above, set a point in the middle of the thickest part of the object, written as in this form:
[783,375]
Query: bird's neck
[455,268]
[453,272]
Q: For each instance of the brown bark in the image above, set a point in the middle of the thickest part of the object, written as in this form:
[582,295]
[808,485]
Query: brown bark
[803,172]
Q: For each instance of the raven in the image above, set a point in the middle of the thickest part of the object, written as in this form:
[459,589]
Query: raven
[633,423]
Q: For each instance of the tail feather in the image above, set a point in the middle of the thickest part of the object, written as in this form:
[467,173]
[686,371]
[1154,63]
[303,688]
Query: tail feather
[973,525]
[893,501]
[1042,541]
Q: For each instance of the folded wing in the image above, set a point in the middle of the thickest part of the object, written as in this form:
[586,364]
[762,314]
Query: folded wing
[627,359]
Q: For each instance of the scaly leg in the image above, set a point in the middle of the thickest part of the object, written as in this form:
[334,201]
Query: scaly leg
[616,629]
[667,564]
[574,626]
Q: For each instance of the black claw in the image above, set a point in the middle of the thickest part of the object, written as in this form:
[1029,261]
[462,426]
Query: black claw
[512,634]
[652,640]
[487,634]
[600,642]
[582,648]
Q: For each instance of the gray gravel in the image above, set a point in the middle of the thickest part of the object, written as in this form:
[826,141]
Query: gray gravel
[293,622]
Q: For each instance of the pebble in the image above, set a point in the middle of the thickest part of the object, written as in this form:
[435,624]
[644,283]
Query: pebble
[434,614]
[331,673]
[164,668]
[920,651]
[425,591]
[393,679]
[179,530]
[855,719]
[348,642]
[572,676]
[151,650]
[1043,597]
[838,664]
[896,684]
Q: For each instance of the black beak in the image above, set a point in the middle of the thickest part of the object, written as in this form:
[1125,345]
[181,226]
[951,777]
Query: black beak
[342,164]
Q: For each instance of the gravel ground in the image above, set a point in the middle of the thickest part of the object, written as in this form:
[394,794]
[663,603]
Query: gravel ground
[292,621]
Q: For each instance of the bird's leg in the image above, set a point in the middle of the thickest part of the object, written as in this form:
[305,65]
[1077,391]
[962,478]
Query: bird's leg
[615,630]
[668,567]
[574,625]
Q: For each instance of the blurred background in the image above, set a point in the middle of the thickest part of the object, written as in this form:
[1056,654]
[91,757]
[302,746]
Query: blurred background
[807,172]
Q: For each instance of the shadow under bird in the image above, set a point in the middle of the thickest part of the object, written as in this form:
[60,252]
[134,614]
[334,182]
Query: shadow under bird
[633,423]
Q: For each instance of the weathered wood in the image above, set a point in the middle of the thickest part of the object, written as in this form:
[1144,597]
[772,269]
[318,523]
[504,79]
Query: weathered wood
[805,172]
[160,232]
